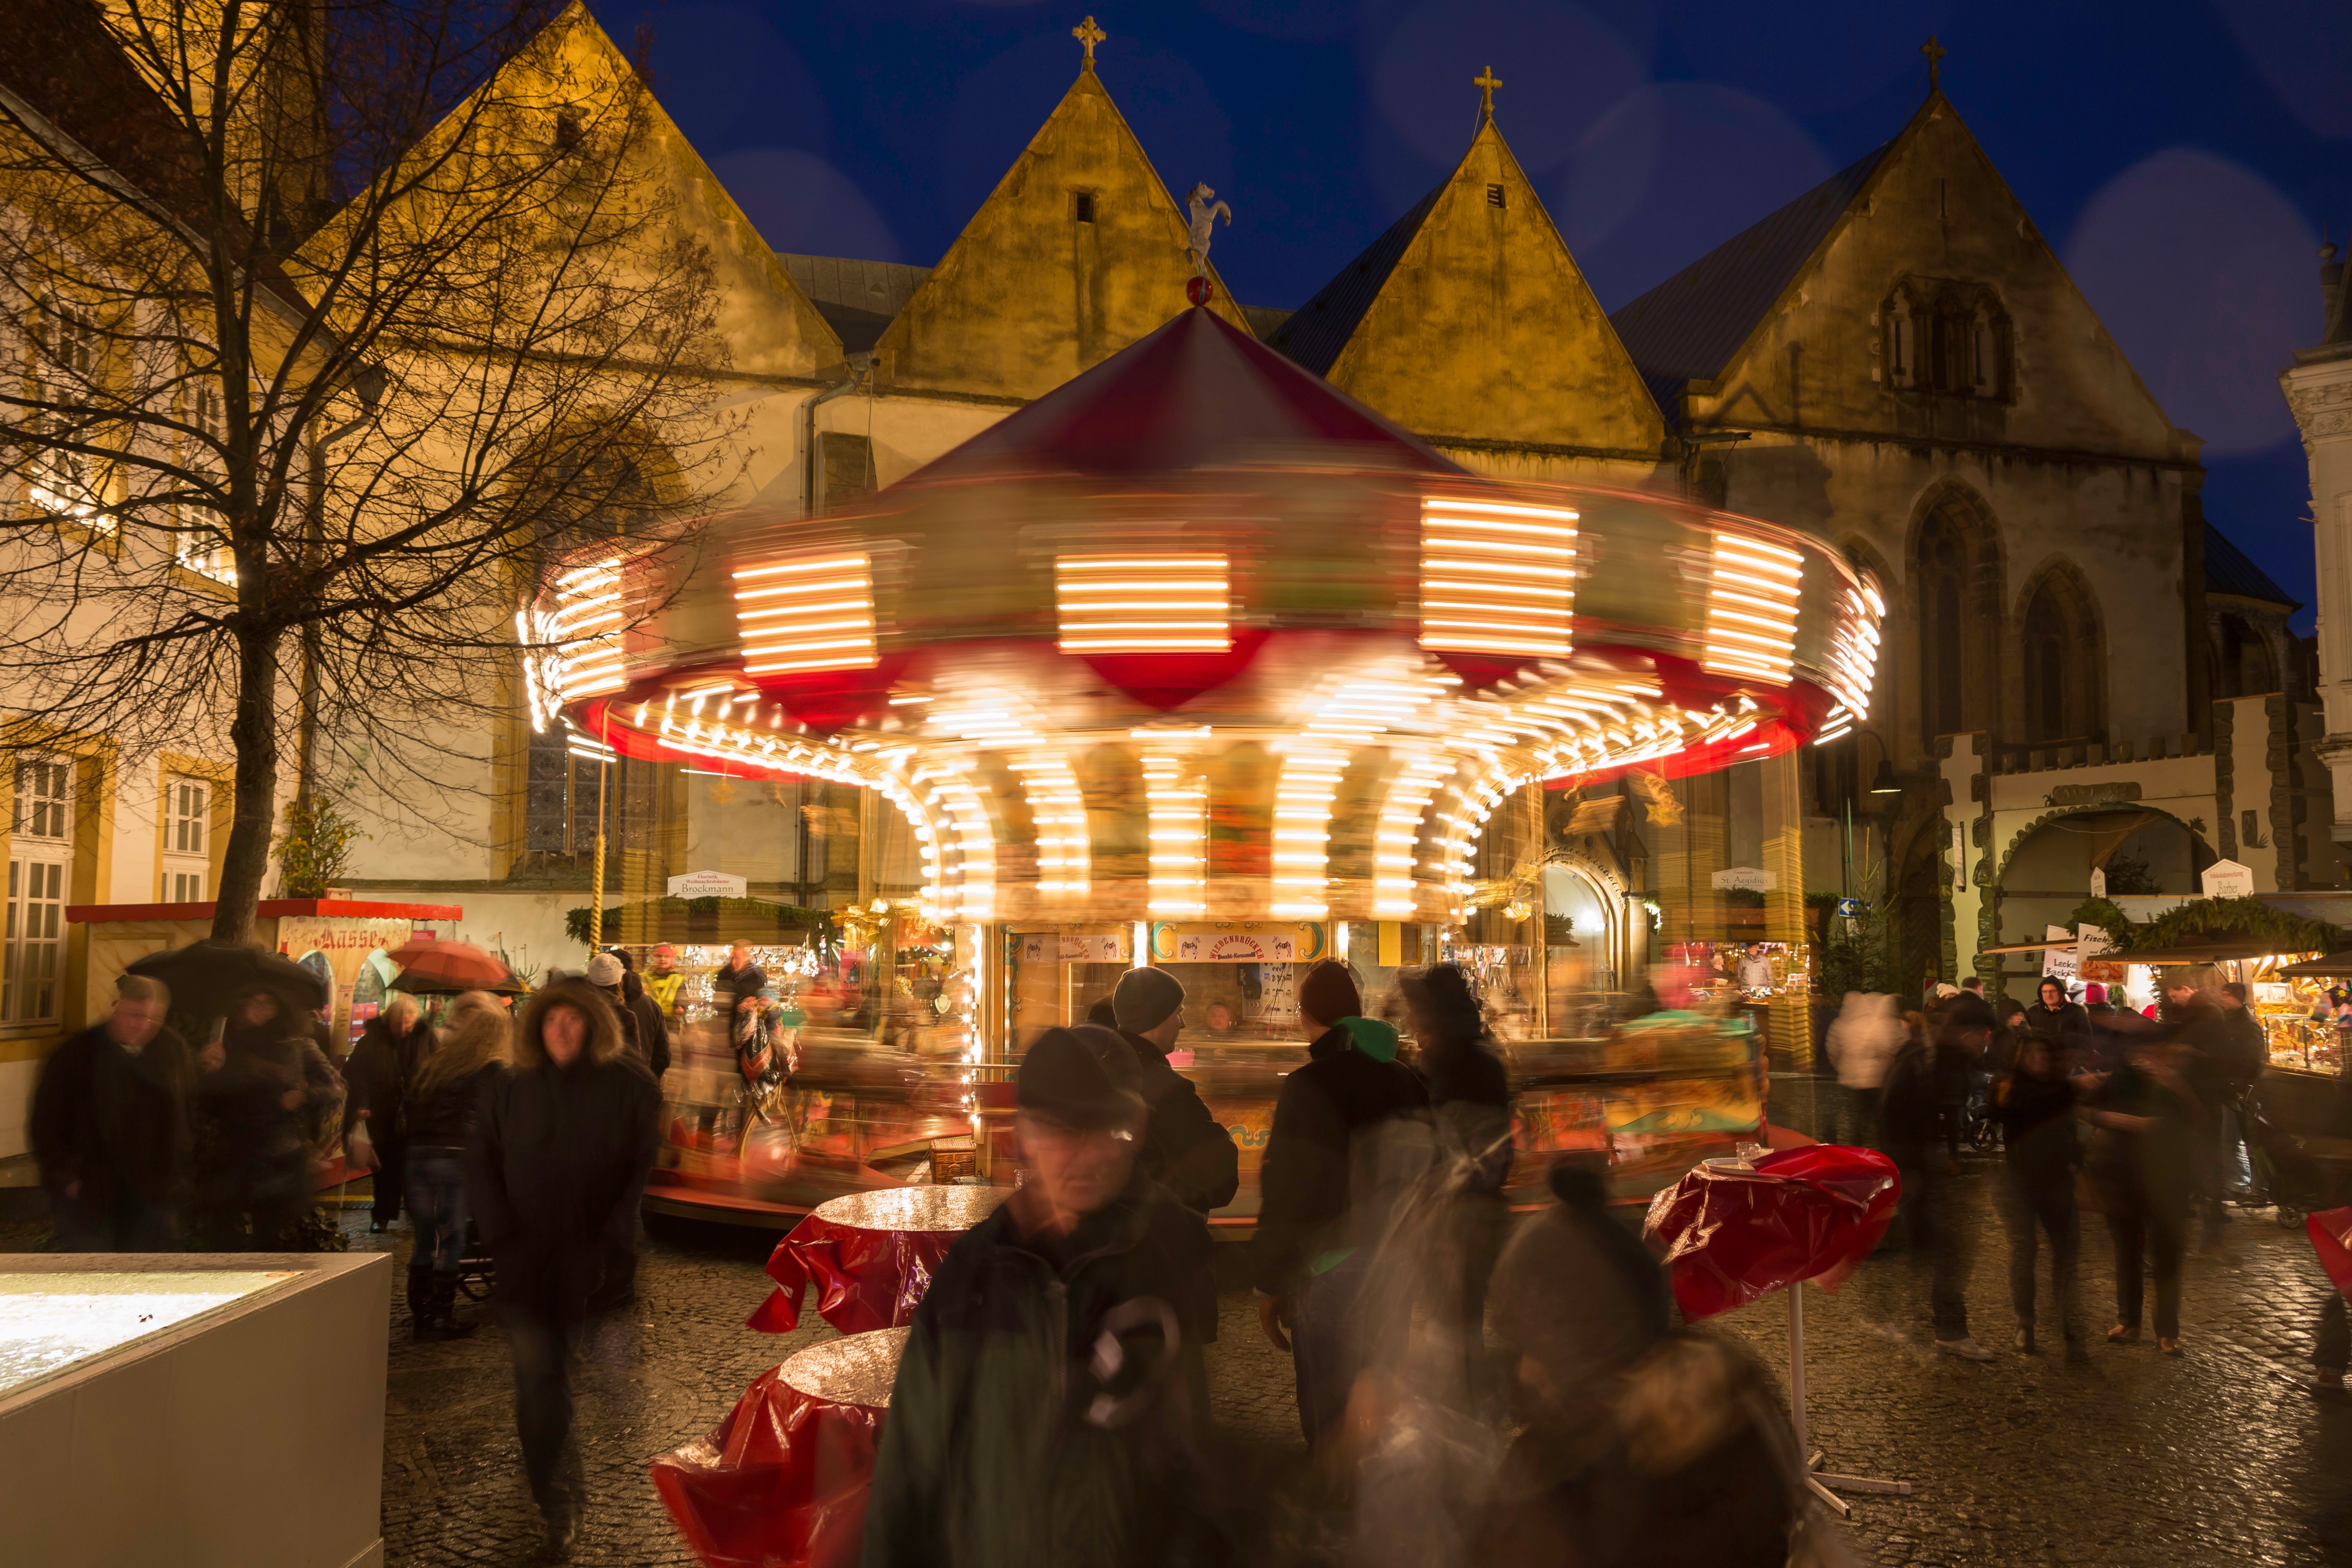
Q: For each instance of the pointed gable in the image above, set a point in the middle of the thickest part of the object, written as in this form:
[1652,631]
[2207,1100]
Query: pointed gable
[769,325]
[1468,320]
[1078,252]
[1787,325]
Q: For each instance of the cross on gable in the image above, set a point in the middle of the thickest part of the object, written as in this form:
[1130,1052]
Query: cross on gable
[1087,34]
[1487,81]
[1935,53]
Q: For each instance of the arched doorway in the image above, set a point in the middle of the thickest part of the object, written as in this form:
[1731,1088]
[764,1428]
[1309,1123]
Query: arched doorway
[1919,916]
[2047,873]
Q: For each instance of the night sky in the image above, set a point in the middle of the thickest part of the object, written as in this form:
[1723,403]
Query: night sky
[2184,158]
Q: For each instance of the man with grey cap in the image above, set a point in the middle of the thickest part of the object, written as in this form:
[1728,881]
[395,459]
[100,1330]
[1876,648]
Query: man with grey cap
[1049,1405]
[1184,1148]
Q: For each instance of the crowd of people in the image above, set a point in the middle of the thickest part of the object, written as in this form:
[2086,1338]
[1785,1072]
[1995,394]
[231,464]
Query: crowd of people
[527,1135]
[1051,1405]
[2135,1116]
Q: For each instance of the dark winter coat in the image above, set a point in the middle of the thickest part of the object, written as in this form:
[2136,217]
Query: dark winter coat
[1303,1189]
[730,985]
[1185,1149]
[1911,1106]
[1006,1448]
[114,1122]
[445,1116]
[1470,1090]
[643,1030]
[243,1102]
[2152,1171]
[2067,1025]
[2037,1127]
[377,1077]
[558,1164]
[2245,1051]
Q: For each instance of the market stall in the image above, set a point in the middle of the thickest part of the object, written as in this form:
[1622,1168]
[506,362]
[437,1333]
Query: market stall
[1192,662]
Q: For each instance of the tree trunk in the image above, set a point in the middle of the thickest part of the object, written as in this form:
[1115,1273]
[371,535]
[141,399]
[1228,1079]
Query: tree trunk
[253,733]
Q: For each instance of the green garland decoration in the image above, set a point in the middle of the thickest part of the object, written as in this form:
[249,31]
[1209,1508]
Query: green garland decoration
[2247,918]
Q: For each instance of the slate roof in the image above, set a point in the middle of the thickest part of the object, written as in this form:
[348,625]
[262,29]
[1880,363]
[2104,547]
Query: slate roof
[856,299]
[1319,328]
[2229,570]
[1688,327]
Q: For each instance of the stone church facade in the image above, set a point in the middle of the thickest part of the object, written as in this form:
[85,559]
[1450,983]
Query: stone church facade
[1895,361]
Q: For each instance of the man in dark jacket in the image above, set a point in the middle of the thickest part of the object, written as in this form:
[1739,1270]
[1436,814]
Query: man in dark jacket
[2063,1024]
[2035,1107]
[1184,1148]
[1352,1117]
[382,1065]
[1046,1408]
[110,1127]
[560,1158]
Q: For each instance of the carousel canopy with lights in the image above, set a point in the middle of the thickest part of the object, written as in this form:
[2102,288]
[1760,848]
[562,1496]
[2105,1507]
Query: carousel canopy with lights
[1196,636]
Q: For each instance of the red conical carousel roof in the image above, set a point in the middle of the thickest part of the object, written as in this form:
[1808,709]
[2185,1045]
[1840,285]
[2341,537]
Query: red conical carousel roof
[1197,394]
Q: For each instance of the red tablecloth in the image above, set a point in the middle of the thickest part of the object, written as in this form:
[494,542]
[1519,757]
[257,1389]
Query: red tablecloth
[783,1479]
[1733,1233]
[2331,1237]
[871,1255]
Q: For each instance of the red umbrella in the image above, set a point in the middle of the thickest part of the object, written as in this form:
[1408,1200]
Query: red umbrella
[441,967]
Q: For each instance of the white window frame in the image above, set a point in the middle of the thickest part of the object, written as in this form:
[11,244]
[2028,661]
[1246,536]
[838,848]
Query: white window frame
[40,860]
[187,837]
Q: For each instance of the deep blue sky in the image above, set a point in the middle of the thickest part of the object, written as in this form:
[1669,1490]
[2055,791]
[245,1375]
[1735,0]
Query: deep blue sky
[2184,157]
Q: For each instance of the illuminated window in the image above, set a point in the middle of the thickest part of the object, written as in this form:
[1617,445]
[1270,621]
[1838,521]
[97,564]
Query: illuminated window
[1144,604]
[1497,578]
[810,614]
[185,804]
[1751,609]
[41,847]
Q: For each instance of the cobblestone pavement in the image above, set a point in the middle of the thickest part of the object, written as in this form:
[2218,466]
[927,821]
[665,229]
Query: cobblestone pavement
[2217,1458]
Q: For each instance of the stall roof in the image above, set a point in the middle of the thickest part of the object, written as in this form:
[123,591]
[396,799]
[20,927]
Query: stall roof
[268,908]
[2203,952]
[2328,966]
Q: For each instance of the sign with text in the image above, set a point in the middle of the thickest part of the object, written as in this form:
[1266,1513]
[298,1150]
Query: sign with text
[1744,879]
[1235,947]
[2228,879]
[2098,882]
[1093,947]
[707,885]
[2059,963]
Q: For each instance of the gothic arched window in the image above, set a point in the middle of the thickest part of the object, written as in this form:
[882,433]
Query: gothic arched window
[1942,573]
[2049,640]
[1902,341]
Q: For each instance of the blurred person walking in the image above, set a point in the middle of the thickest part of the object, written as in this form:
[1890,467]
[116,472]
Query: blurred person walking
[444,1108]
[1470,1100]
[1642,1448]
[1926,1090]
[2143,1157]
[268,1103]
[1862,1044]
[2245,1052]
[109,1129]
[1046,1408]
[559,1161]
[1185,1149]
[1352,1138]
[376,1080]
[737,982]
[2189,1009]
[2034,1104]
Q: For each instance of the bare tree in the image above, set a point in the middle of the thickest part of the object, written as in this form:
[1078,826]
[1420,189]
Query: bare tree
[339,317]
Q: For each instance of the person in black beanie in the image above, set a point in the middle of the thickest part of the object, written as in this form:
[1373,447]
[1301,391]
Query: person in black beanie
[1351,1113]
[1185,1149]
[1049,1406]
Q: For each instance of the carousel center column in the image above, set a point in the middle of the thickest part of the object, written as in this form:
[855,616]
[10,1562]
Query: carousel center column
[1790,1012]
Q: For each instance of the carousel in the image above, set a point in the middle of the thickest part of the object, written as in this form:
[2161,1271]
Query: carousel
[1194,662]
